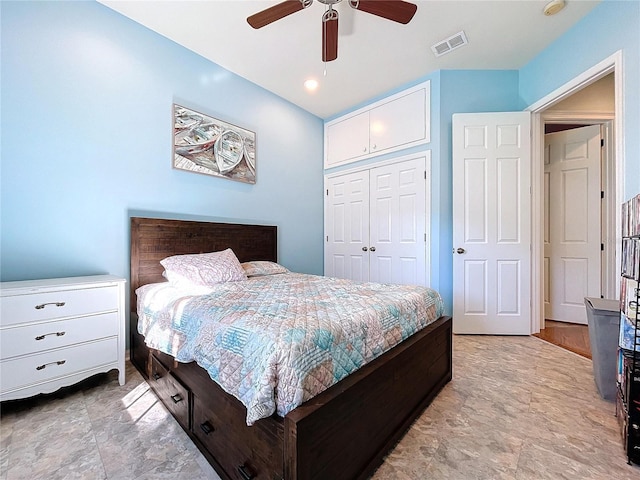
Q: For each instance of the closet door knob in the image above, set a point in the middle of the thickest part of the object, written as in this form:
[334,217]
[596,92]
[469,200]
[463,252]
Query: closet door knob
[364,249]
[373,249]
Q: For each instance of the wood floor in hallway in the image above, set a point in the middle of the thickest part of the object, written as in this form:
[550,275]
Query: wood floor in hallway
[570,336]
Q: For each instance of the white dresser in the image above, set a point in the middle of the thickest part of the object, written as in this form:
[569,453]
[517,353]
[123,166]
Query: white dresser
[56,332]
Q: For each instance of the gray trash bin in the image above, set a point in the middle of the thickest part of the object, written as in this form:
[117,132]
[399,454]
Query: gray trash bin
[603,316]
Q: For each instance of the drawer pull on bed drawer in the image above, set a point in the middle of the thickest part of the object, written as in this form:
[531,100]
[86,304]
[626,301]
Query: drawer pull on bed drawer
[206,427]
[157,376]
[177,398]
[245,473]
[57,334]
[42,305]
[59,362]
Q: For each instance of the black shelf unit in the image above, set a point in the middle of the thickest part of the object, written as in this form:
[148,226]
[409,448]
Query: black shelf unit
[628,401]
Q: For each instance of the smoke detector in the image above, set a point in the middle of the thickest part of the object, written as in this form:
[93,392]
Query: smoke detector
[553,7]
[445,46]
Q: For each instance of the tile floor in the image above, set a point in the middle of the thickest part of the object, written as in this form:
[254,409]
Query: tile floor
[517,408]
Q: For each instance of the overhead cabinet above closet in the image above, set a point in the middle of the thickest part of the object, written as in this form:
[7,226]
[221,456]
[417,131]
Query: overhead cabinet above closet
[397,122]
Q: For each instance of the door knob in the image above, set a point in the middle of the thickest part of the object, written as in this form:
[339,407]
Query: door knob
[373,249]
[460,250]
[364,249]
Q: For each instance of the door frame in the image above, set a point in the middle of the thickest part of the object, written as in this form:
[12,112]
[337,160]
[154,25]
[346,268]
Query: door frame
[615,176]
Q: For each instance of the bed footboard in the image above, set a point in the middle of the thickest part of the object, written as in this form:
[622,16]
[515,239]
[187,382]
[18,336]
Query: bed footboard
[345,432]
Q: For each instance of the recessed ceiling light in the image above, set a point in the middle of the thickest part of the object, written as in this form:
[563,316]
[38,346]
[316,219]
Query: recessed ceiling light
[311,85]
[553,7]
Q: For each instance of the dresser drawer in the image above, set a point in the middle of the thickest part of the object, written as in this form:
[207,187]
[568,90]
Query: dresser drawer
[37,337]
[168,389]
[39,306]
[244,452]
[21,371]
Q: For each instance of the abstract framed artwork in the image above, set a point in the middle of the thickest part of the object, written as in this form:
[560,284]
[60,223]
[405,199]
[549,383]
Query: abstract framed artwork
[203,144]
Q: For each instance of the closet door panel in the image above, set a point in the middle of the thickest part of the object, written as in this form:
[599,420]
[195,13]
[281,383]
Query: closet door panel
[398,223]
[347,226]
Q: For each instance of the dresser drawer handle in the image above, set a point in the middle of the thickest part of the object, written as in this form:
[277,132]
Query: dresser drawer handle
[177,398]
[206,427]
[42,305]
[156,376]
[59,362]
[245,473]
[57,334]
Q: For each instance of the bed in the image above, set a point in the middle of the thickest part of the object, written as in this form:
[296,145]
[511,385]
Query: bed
[341,433]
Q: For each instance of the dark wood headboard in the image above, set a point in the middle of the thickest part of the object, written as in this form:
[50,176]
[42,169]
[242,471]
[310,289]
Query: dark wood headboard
[153,239]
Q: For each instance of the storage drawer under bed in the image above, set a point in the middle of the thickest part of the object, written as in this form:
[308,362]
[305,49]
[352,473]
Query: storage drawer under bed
[242,453]
[170,391]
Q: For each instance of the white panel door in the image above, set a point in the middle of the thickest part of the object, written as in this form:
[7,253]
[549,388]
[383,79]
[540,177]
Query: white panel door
[572,219]
[491,223]
[397,248]
[347,226]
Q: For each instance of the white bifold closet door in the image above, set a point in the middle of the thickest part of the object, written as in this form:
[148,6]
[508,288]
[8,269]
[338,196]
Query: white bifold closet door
[375,223]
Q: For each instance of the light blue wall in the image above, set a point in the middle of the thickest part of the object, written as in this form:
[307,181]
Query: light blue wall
[86,142]
[611,26]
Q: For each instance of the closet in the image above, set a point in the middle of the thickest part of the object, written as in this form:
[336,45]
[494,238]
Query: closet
[376,221]
[376,215]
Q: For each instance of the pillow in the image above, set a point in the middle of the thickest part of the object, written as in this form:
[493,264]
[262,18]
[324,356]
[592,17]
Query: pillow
[259,268]
[204,268]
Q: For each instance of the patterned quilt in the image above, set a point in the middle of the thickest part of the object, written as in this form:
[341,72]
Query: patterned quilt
[275,341]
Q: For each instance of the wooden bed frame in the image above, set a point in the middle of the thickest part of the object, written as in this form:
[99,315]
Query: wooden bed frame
[342,433]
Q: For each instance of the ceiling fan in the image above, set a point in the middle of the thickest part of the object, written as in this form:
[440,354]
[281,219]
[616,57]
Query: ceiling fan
[396,10]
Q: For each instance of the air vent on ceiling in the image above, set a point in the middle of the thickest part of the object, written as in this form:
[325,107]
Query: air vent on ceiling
[449,44]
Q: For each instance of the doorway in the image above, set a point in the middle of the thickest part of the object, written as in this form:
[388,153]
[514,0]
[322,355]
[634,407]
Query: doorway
[564,107]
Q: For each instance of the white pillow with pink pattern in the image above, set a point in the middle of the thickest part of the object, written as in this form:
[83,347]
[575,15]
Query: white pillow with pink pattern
[204,269]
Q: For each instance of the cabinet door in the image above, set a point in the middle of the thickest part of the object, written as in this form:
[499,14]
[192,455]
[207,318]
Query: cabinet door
[398,223]
[347,139]
[347,226]
[399,122]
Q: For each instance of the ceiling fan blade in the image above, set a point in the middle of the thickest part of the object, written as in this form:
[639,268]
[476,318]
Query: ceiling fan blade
[270,15]
[330,36]
[396,10]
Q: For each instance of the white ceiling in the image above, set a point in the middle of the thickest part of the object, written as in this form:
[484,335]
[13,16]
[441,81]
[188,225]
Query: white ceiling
[374,55]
